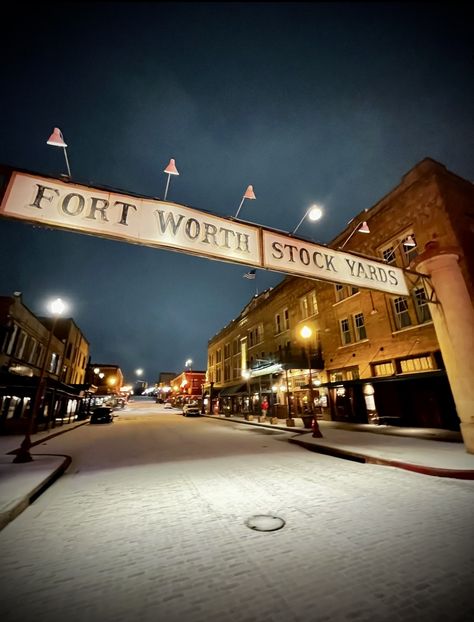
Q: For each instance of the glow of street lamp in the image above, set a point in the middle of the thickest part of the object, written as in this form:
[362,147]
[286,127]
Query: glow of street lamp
[315,213]
[139,372]
[306,332]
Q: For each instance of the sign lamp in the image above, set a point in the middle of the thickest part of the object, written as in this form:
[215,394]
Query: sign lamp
[249,194]
[170,170]
[56,140]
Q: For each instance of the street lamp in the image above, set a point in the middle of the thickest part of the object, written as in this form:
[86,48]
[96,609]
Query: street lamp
[170,170]
[360,228]
[246,374]
[188,363]
[139,372]
[57,307]
[249,194]
[306,333]
[56,140]
[314,212]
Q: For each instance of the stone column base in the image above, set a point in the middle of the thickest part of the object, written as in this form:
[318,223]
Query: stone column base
[467,431]
[290,423]
[273,420]
[262,419]
[248,417]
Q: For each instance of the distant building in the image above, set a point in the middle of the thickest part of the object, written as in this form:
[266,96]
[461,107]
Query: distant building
[27,346]
[187,387]
[107,377]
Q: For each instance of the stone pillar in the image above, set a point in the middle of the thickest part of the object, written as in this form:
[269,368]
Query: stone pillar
[453,320]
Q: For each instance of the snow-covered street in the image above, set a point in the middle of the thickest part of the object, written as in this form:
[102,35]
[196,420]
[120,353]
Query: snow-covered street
[148,524]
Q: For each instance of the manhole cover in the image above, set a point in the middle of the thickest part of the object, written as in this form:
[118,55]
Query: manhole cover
[264,522]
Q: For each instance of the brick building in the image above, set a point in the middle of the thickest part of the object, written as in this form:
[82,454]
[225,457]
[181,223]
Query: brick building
[374,357]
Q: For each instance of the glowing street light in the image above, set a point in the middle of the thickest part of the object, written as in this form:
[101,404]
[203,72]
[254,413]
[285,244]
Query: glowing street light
[306,333]
[188,363]
[314,212]
[139,372]
[57,307]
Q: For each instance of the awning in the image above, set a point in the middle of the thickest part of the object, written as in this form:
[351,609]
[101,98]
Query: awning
[236,389]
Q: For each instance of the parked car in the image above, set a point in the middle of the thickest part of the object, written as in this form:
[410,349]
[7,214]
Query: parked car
[191,410]
[103,414]
[167,405]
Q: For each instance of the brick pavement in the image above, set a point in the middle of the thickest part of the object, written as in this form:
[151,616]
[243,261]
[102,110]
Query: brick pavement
[160,535]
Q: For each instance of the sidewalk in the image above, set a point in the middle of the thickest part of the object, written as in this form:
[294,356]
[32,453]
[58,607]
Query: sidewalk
[20,484]
[413,449]
[425,450]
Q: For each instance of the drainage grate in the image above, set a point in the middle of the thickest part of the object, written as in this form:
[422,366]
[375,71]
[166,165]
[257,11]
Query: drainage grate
[264,522]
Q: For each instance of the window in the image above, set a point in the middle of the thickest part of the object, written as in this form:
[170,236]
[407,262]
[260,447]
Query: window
[304,307]
[277,323]
[226,350]
[53,363]
[402,317]
[389,254]
[226,372]
[20,346]
[218,355]
[11,340]
[286,319]
[360,332]
[345,331]
[309,304]
[421,305]
[344,291]
[236,346]
[419,363]
[383,369]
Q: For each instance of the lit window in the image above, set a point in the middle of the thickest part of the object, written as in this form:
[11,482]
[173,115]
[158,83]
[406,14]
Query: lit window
[382,369]
[420,363]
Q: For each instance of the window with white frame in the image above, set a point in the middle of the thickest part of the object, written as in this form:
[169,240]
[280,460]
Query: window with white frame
[359,325]
[389,254]
[401,313]
[344,291]
[421,305]
[218,355]
[277,323]
[20,346]
[309,304]
[226,350]
[345,331]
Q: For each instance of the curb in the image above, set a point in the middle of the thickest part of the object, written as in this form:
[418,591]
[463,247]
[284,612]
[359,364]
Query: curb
[270,426]
[17,507]
[47,438]
[356,457]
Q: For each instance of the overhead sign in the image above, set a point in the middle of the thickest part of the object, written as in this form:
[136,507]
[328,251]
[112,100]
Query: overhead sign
[287,254]
[130,219]
[150,222]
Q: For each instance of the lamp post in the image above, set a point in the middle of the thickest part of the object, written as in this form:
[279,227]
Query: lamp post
[306,333]
[246,375]
[23,455]
[314,212]
[56,140]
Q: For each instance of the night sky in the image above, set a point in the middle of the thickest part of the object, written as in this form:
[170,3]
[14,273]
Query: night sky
[310,103]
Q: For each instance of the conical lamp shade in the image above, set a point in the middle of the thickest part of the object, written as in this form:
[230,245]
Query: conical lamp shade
[171,168]
[409,242]
[56,138]
[364,228]
[249,193]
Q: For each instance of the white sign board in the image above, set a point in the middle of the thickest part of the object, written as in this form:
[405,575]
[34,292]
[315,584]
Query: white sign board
[292,256]
[150,222]
[130,219]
